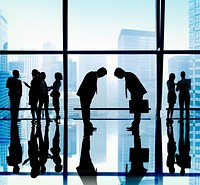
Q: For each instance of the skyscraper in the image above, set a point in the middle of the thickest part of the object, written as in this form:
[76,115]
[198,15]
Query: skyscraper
[4,74]
[194,74]
[143,66]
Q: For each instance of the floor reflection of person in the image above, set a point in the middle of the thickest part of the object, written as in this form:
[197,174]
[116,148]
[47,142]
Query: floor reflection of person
[183,159]
[171,97]
[86,170]
[136,90]
[171,148]
[43,147]
[183,86]
[55,150]
[15,92]
[15,149]
[86,92]
[33,154]
[138,156]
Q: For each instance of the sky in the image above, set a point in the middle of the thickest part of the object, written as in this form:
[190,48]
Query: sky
[33,22]
[92,24]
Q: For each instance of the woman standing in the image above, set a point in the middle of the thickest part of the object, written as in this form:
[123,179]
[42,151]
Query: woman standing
[55,94]
[171,96]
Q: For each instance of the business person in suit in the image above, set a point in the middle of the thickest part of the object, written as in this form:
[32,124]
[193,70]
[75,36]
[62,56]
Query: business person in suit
[136,90]
[184,86]
[15,92]
[86,92]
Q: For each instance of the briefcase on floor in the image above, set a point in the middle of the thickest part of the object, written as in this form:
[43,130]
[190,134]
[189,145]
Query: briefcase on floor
[139,106]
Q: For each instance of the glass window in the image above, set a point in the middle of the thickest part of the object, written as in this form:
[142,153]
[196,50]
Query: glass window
[32,25]
[97,25]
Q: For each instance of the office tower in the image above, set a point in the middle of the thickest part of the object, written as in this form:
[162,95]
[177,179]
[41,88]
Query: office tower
[144,67]
[48,63]
[72,75]
[4,103]
[194,70]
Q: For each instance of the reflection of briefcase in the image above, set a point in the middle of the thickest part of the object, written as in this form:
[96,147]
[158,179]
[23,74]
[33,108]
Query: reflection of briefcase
[139,106]
[140,154]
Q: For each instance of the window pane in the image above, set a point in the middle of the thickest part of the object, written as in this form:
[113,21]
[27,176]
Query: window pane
[97,25]
[110,144]
[32,25]
[175,133]
[25,64]
[179,25]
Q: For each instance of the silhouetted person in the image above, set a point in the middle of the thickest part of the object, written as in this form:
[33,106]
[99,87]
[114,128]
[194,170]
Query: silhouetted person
[86,170]
[171,148]
[55,150]
[137,158]
[34,93]
[136,90]
[171,97]
[43,98]
[55,94]
[15,92]
[43,147]
[33,153]
[183,86]
[183,159]
[15,149]
[86,92]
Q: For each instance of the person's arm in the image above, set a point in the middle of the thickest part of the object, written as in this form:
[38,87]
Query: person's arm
[178,86]
[8,83]
[27,85]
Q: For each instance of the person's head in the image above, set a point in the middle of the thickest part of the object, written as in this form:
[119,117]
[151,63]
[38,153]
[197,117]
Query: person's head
[42,75]
[172,77]
[58,76]
[35,72]
[119,73]
[101,72]
[182,74]
[15,73]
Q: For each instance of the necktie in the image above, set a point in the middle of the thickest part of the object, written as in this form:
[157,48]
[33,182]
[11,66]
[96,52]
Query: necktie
[126,90]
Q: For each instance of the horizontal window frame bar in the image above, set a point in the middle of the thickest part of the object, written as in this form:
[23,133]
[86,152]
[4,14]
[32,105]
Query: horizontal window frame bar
[96,52]
[113,119]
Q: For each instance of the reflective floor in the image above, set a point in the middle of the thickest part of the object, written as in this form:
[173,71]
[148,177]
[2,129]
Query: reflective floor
[112,155]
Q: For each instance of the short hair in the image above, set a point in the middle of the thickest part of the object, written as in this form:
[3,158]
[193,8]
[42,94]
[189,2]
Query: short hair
[58,76]
[182,73]
[119,71]
[102,71]
[35,72]
[15,73]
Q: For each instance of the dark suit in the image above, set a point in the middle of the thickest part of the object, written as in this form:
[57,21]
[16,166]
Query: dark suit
[137,91]
[15,92]
[86,92]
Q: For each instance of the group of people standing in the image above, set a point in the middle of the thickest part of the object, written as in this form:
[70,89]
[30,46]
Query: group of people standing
[183,86]
[38,94]
[38,146]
